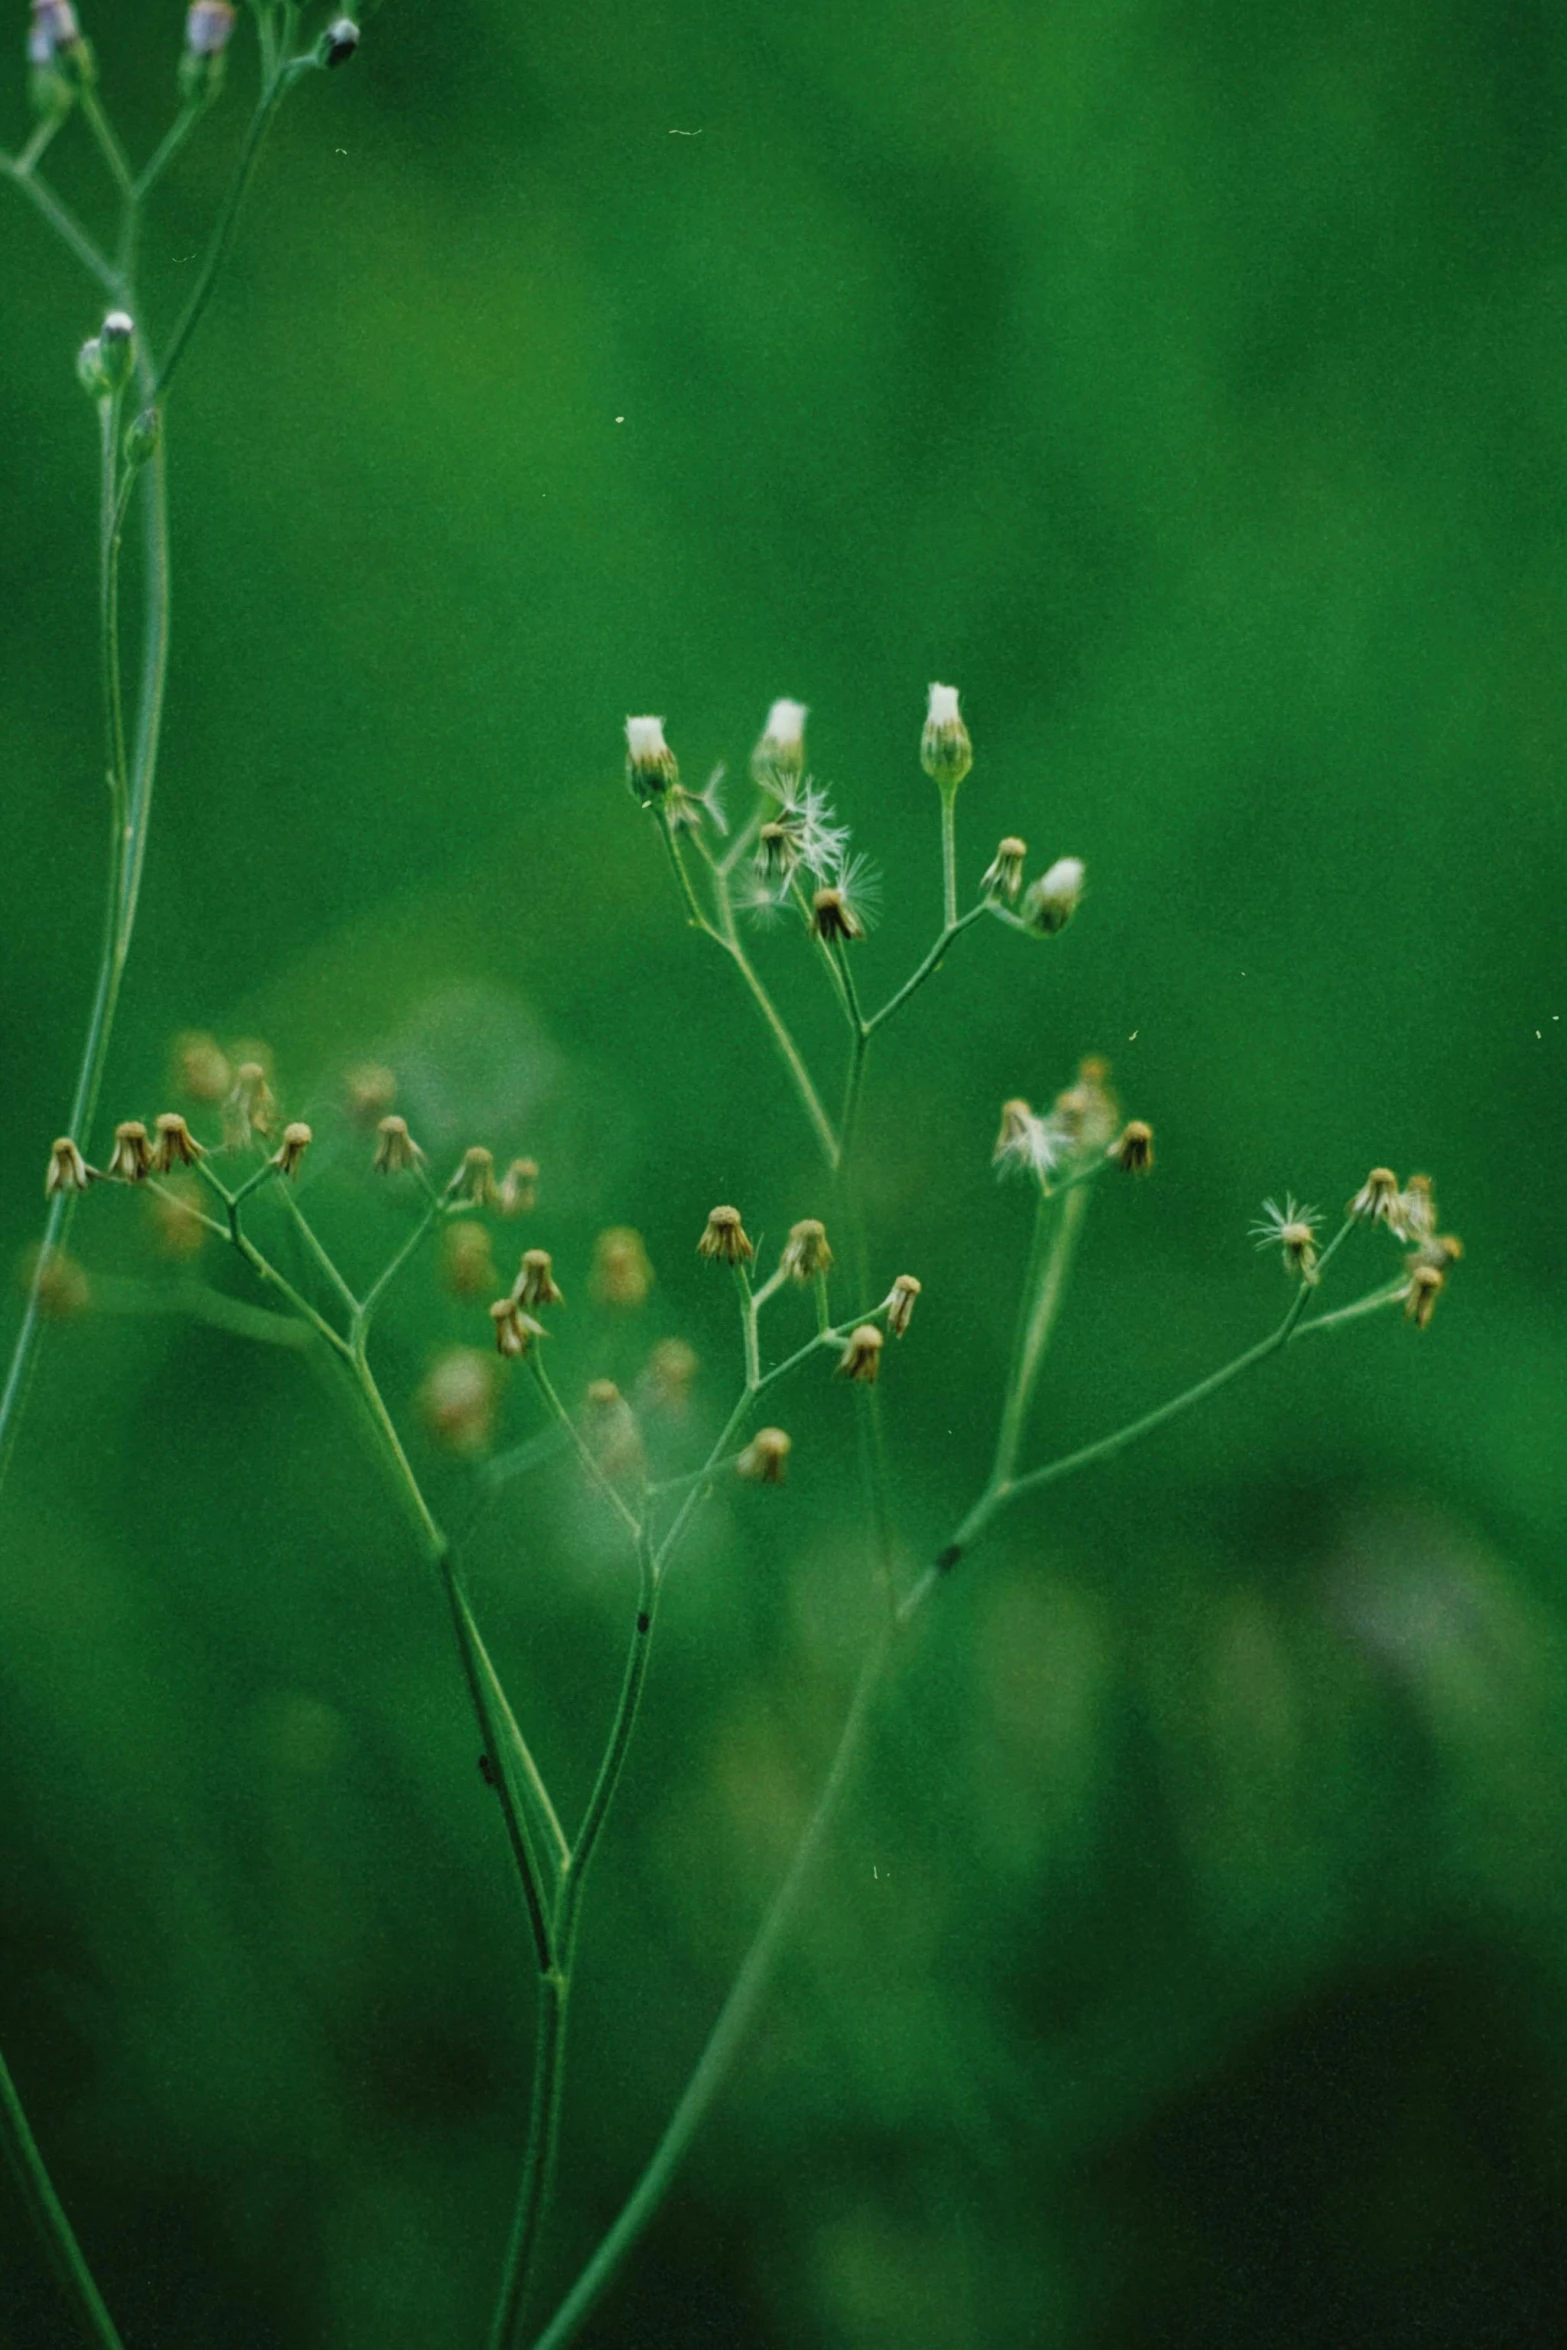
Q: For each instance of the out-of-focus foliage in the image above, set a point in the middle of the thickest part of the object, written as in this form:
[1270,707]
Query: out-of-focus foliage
[1188,385]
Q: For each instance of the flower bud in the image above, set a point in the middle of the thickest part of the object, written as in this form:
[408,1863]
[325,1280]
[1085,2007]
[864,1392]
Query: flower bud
[175,1146]
[806,1252]
[338,43]
[58,56]
[899,1308]
[862,1355]
[946,754]
[208,27]
[68,1170]
[650,763]
[535,1283]
[1050,902]
[130,1161]
[117,349]
[289,1157]
[143,438]
[765,1459]
[779,757]
[395,1149]
[1003,877]
[457,1400]
[725,1237]
[622,1275]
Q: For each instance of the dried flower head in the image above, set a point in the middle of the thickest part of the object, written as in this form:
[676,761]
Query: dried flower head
[58,1281]
[68,1170]
[201,1067]
[833,916]
[130,1161]
[176,1212]
[1132,1149]
[651,768]
[338,43]
[475,1178]
[457,1400]
[1441,1250]
[724,1237]
[777,852]
[370,1089]
[175,1145]
[622,1274]
[1413,1215]
[613,1437]
[946,754]
[1377,1198]
[515,1331]
[520,1188]
[779,757]
[395,1149]
[1003,876]
[899,1308]
[289,1156]
[467,1259]
[251,1107]
[1028,1144]
[1085,1114]
[1050,902]
[666,1382]
[1292,1230]
[534,1286]
[765,1459]
[806,1251]
[1426,1284]
[862,1354]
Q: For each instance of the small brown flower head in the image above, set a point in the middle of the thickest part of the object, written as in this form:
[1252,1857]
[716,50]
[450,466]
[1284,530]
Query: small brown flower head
[457,1401]
[62,1286]
[806,1251]
[1293,1231]
[946,754]
[68,1170]
[862,1354]
[130,1161]
[251,1107]
[395,1148]
[1413,1216]
[535,1283]
[520,1188]
[1132,1149]
[201,1068]
[467,1259]
[175,1211]
[289,1157]
[622,1274]
[475,1178]
[370,1090]
[765,1460]
[724,1236]
[175,1145]
[899,1308]
[1050,902]
[1426,1285]
[613,1437]
[651,767]
[1377,1199]
[666,1383]
[1003,877]
[777,850]
[515,1331]
[832,917]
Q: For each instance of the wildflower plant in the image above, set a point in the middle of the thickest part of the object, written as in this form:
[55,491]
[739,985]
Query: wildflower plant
[231,1166]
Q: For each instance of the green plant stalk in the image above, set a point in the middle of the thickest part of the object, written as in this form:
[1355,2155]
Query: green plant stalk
[1044,1308]
[949,855]
[49,2217]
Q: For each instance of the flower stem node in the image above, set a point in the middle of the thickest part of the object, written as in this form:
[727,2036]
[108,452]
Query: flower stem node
[833,918]
[519,1192]
[946,754]
[535,1285]
[130,1161]
[899,1308]
[515,1331]
[1292,1230]
[1377,1199]
[778,761]
[765,1460]
[806,1252]
[651,767]
[622,1272]
[1132,1149]
[1003,876]
[251,1107]
[474,1180]
[338,43]
[1426,1284]
[68,1170]
[289,1156]
[1050,902]
[724,1237]
[395,1148]
[862,1355]
[175,1145]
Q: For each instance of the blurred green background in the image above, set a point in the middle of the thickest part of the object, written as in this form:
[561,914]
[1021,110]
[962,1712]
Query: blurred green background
[1185,381]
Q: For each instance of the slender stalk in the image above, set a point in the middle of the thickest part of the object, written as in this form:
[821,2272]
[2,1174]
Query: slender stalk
[325,1261]
[584,1450]
[949,855]
[48,2215]
[1038,1326]
[65,225]
[930,963]
[173,140]
[409,1249]
[108,142]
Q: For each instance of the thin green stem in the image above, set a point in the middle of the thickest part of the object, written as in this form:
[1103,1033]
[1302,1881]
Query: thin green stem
[312,1240]
[49,2217]
[173,140]
[1043,1311]
[66,226]
[594,1472]
[930,964]
[201,1304]
[410,1249]
[503,1741]
[750,1336]
[108,142]
[949,855]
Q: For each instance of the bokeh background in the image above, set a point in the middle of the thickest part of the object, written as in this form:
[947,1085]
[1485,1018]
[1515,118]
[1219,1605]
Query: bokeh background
[1186,382]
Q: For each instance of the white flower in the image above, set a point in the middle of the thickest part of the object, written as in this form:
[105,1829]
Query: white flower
[1292,1229]
[946,754]
[1050,902]
[650,763]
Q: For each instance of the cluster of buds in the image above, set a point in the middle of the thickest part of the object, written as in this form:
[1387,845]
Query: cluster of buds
[59,60]
[946,753]
[104,362]
[1081,1123]
[209,26]
[1410,1215]
[724,1237]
